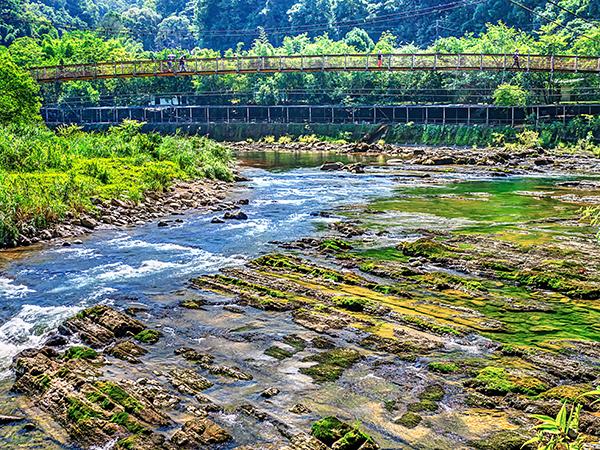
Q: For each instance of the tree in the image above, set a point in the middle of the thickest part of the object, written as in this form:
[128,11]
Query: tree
[360,40]
[167,8]
[510,95]
[19,93]
[12,21]
[142,24]
[175,32]
[313,16]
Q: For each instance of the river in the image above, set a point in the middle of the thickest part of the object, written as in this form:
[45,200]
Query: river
[149,268]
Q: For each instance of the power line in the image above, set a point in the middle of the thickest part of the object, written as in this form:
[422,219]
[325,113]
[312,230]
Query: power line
[520,5]
[363,23]
[592,22]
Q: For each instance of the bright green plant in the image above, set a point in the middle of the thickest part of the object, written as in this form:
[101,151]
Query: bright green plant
[560,432]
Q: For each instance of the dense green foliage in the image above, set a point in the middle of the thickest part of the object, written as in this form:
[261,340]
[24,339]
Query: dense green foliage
[122,29]
[19,94]
[222,24]
[43,174]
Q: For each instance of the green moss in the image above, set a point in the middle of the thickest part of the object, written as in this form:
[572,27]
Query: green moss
[148,336]
[334,245]
[409,420]
[497,381]
[427,248]
[330,364]
[123,419]
[427,324]
[79,411]
[339,435]
[443,367]
[569,392]
[329,430]
[127,443]
[192,304]
[278,353]
[352,440]
[42,381]
[109,392]
[356,304]
[296,342]
[80,353]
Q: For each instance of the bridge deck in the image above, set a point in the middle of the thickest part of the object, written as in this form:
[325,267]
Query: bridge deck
[317,63]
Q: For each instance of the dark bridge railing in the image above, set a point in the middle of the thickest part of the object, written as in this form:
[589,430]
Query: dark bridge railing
[317,63]
[199,115]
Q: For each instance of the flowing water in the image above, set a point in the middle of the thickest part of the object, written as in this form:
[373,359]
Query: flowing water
[150,267]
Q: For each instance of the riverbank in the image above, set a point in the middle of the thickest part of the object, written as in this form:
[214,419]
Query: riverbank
[64,184]
[526,156]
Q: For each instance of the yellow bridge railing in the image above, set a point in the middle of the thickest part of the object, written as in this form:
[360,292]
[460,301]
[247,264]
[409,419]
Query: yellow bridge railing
[318,63]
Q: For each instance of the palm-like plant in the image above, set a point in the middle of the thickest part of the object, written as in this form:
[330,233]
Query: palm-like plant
[561,432]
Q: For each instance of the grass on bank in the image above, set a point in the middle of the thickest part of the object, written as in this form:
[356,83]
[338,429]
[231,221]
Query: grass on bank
[44,175]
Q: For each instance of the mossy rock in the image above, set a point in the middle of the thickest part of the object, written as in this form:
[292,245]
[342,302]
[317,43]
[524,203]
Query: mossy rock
[329,430]
[434,393]
[427,248]
[341,436]
[108,393]
[77,352]
[296,342]
[148,336]
[409,420]
[503,440]
[423,406]
[331,364]
[443,367]
[570,393]
[278,353]
[497,381]
[192,303]
[334,245]
[355,304]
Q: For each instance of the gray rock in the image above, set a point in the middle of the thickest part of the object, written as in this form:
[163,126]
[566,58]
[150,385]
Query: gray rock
[332,166]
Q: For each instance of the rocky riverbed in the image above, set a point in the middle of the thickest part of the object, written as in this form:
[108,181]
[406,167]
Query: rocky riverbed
[438,314]
[500,161]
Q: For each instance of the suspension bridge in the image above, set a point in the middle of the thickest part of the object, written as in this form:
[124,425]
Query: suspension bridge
[317,63]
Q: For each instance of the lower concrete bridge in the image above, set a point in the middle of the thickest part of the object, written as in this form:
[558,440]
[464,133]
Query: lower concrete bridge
[336,114]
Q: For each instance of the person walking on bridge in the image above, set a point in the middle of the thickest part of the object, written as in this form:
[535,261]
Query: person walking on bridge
[516,59]
[182,63]
[379,59]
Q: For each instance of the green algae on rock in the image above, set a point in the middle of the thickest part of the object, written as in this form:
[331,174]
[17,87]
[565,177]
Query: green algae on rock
[330,364]
[341,436]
